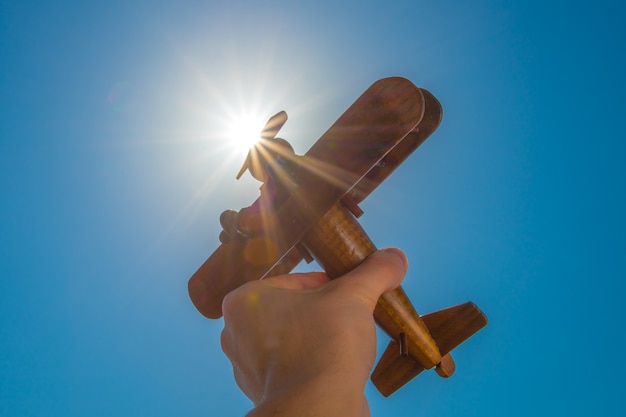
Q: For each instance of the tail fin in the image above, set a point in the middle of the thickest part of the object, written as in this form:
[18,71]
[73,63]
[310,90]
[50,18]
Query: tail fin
[449,327]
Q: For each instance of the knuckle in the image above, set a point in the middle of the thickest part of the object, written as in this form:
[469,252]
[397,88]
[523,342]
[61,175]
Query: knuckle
[225,341]
[234,300]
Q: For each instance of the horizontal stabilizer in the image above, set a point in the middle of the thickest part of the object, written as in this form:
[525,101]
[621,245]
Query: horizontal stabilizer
[393,370]
[452,326]
[449,327]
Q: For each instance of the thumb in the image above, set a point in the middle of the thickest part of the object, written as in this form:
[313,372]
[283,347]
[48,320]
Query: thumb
[382,271]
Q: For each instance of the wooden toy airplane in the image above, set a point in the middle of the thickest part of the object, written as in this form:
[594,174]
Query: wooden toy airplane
[308,208]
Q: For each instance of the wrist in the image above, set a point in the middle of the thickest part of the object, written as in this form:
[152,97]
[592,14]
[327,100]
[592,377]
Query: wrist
[320,397]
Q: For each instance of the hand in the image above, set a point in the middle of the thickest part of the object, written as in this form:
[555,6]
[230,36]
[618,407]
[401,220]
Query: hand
[302,345]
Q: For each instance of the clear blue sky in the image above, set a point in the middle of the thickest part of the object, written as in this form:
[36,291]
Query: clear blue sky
[114,167]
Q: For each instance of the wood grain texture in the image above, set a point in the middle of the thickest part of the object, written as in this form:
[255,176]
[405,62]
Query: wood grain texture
[339,244]
[369,129]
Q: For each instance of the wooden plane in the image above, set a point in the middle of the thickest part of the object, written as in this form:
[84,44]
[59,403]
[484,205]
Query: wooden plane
[308,208]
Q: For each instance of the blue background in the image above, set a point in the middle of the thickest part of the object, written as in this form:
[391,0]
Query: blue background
[115,165]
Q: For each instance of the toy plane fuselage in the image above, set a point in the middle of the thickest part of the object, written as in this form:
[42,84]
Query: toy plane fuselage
[308,209]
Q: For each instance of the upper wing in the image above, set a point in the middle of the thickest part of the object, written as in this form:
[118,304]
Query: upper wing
[429,123]
[359,142]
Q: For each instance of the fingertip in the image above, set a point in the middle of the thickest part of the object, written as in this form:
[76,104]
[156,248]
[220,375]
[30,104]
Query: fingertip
[392,264]
[394,255]
[382,271]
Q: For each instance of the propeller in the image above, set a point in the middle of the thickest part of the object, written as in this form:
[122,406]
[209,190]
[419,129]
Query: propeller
[269,132]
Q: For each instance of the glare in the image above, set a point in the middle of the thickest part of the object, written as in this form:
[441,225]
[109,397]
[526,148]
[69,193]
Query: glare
[244,131]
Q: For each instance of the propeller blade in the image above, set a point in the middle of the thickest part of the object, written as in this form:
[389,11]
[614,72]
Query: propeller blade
[244,167]
[273,125]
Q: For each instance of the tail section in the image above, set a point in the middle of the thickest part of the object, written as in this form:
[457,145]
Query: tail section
[449,327]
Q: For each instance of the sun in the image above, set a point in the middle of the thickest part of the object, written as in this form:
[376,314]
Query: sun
[244,131]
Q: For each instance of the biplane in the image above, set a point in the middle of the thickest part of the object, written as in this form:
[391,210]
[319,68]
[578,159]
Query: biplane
[308,209]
